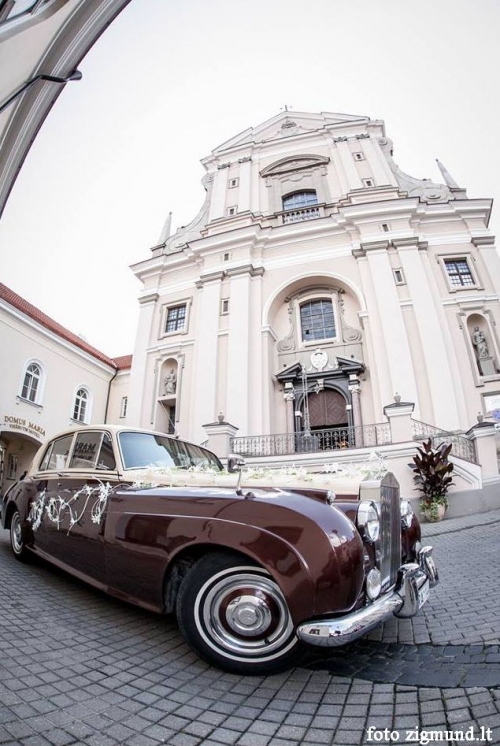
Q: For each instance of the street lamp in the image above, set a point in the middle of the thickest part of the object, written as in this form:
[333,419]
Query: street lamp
[307,416]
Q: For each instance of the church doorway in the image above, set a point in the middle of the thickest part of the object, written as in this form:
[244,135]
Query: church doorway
[327,409]
[325,417]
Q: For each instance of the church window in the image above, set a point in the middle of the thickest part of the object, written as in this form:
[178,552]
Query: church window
[368,182]
[459,272]
[399,276]
[317,320]
[124,405]
[359,156]
[233,183]
[224,306]
[176,319]
[298,200]
[31,383]
[231,211]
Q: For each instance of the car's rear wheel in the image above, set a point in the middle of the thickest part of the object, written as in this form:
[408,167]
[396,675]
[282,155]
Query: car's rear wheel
[18,537]
[236,617]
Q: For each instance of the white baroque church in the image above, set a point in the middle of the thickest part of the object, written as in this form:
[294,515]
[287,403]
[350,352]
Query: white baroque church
[318,286]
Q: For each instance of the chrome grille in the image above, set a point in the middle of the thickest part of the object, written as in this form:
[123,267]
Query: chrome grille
[390,531]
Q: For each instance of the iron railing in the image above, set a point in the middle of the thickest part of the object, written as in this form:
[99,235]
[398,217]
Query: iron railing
[328,439]
[462,447]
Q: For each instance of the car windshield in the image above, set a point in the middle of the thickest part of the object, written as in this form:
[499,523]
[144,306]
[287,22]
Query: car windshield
[140,450]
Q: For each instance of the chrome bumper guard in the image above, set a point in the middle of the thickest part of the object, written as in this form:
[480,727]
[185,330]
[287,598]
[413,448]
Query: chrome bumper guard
[407,597]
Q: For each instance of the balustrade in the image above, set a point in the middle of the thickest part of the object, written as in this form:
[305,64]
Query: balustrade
[327,439]
[462,447]
[306,213]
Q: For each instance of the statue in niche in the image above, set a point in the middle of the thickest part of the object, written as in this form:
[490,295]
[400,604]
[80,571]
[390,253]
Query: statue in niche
[170,382]
[479,342]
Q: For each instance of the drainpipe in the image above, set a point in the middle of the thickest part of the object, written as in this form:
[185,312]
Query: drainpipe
[108,396]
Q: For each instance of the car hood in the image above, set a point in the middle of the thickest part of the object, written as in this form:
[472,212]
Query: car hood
[325,487]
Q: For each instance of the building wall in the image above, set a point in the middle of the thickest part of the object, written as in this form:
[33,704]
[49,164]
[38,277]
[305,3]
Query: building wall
[118,398]
[25,425]
[380,244]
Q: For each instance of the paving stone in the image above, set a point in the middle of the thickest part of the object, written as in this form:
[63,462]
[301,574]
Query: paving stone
[125,676]
[253,739]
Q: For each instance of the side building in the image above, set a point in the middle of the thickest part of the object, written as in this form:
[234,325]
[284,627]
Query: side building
[51,379]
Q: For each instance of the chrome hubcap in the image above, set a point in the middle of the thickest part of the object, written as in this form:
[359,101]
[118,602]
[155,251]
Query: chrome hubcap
[243,612]
[16,534]
[248,615]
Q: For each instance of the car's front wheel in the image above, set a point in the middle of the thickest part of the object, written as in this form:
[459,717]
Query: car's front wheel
[17,537]
[236,617]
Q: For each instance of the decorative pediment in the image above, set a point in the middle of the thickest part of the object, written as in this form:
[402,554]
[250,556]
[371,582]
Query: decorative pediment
[322,364]
[296,163]
[288,124]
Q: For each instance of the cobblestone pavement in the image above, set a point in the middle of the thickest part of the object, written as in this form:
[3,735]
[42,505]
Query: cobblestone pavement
[77,667]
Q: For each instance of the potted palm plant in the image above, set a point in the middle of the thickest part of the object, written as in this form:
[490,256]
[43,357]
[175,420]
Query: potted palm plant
[432,478]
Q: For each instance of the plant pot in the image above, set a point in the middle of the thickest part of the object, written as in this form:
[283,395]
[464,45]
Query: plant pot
[435,515]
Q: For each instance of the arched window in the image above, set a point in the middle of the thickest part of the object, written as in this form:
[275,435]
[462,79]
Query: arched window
[300,199]
[81,405]
[31,383]
[317,320]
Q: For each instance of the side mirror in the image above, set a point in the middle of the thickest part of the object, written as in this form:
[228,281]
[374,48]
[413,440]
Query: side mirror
[235,463]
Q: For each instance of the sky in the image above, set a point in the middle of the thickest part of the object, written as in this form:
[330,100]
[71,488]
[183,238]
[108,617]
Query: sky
[170,80]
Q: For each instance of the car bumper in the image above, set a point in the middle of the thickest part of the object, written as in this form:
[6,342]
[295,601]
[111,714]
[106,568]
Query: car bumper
[407,597]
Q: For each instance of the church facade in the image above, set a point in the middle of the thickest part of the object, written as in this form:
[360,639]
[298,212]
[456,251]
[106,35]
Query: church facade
[318,284]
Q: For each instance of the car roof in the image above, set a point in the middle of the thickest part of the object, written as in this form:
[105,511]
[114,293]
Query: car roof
[118,429]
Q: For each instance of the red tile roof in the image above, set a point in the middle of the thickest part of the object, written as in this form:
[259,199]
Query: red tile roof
[123,362]
[34,313]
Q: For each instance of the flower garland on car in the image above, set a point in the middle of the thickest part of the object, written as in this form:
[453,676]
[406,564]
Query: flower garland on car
[286,477]
[56,507]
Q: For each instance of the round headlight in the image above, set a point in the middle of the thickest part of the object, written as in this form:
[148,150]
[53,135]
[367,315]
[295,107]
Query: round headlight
[373,583]
[406,513]
[368,521]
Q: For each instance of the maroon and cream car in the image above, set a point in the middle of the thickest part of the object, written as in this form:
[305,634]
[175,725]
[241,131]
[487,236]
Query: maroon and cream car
[251,570]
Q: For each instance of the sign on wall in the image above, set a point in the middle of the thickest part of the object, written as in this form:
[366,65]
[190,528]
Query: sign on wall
[22,425]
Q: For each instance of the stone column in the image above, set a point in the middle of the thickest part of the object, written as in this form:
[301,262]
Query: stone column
[393,356]
[483,435]
[357,420]
[219,192]
[434,335]
[399,416]
[244,201]
[238,356]
[289,398]
[488,251]
[219,437]
[135,414]
[204,382]
[348,166]
[376,165]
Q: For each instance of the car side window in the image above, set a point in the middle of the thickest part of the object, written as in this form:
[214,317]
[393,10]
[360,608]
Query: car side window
[56,455]
[85,451]
[93,450]
[106,459]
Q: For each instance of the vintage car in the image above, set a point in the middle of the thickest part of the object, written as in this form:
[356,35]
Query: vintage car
[251,567]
